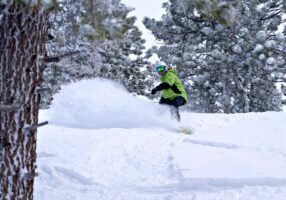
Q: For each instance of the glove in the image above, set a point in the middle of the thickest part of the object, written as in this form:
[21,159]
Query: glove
[153,91]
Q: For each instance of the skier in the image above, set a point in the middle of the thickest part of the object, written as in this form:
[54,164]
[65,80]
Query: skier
[173,91]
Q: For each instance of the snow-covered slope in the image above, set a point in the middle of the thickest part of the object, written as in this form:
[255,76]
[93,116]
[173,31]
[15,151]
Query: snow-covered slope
[105,144]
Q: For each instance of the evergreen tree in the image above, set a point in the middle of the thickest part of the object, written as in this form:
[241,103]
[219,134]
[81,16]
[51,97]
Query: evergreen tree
[228,67]
[22,41]
[123,61]
[23,57]
[75,40]
[120,60]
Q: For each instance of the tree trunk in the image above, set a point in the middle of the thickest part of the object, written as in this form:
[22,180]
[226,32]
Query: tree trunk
[22,45]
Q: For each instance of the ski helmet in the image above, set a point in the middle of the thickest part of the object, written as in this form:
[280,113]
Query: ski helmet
[161,67]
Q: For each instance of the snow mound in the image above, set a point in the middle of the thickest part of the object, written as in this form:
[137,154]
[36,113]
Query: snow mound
[101,103]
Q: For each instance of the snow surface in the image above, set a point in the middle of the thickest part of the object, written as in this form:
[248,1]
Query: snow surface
[103,143]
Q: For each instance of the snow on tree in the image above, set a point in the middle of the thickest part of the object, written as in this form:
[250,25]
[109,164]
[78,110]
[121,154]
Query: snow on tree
[223,11]
[121,59]
[226,67]
[24,37]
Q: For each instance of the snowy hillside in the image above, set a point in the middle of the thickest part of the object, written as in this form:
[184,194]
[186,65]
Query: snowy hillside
[104,144]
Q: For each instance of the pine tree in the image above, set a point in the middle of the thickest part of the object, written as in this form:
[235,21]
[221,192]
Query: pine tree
[120,60]
[75,40]
[23,57]
[23,36]
[229,67]
[123,61]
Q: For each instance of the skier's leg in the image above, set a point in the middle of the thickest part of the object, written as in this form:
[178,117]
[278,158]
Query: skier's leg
[176,103]
[164,101]
[173,109]
[167,102]
[175,113]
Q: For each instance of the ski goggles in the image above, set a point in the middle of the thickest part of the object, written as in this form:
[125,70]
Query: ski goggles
[160,68]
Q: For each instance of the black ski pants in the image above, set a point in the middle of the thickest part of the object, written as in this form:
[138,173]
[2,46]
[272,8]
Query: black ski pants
[177,101]
[175,104]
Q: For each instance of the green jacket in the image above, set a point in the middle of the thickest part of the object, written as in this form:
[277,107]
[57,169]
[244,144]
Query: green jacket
[172,79]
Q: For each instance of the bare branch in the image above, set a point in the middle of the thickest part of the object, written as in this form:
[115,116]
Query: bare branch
[51,59]
[29,175]
[280,50]
[59,57]
[44,89]
[50,37]
[2,7]
[271,16]
[9,108]
[35,126]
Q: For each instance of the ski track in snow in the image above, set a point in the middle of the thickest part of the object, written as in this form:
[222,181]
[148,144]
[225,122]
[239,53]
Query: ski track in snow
[116,156]
[171,182]
[236,147]
[213,184]
[212,144]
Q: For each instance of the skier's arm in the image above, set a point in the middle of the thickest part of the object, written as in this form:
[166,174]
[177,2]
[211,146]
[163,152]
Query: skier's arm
[160,87]
[163,86]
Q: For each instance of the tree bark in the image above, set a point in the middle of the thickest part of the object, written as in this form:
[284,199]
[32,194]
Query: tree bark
[22,44]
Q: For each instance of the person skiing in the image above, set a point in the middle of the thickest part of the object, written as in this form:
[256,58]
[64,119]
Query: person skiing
[173,91]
